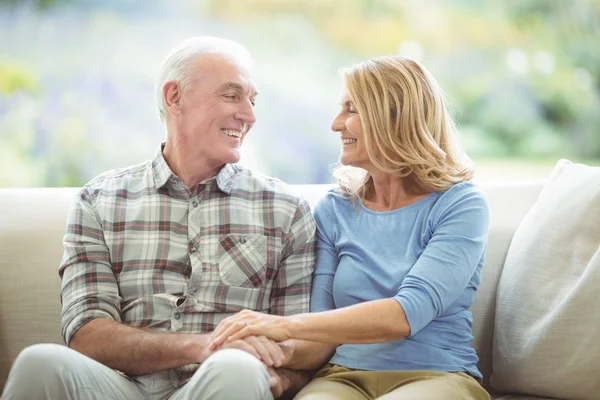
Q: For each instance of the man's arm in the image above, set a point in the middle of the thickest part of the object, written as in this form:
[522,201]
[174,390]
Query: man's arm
[91,320]
[290,293]
[302,354]
[136,351]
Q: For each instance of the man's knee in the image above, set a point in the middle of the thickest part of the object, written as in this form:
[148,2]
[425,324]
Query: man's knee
[34,369]
[40,361]
[230,373]
[231,365]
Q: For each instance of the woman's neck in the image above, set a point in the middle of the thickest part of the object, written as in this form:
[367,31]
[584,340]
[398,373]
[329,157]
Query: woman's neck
[387,192]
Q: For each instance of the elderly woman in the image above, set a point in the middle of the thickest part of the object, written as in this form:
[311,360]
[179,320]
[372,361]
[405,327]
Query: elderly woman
[401,244]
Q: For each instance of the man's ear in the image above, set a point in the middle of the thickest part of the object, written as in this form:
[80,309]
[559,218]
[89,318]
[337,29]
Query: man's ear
[171,92]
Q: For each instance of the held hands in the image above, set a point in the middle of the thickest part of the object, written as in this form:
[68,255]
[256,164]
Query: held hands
[257,333]
[278,382]
[273,356]
[247,323]
[266,350]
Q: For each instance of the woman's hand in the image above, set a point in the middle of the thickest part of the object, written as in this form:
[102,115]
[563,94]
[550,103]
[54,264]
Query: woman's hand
[266,350]
[246,323]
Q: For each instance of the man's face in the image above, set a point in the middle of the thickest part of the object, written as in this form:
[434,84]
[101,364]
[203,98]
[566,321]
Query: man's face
[217,110]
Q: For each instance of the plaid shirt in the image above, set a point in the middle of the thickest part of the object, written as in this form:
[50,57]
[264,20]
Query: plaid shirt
[142,250]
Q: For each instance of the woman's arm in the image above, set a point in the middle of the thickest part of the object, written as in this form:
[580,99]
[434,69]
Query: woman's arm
[436,280]
[374,321]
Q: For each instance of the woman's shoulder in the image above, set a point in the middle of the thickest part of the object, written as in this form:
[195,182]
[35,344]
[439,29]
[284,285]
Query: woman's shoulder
[464,194]
[464,189]
[333,201]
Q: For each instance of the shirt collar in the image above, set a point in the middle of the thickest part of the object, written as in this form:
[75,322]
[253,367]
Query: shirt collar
[225,178]
[161,171]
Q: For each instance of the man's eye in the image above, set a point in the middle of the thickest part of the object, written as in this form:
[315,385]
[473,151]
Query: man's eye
[230,96]
[253,102]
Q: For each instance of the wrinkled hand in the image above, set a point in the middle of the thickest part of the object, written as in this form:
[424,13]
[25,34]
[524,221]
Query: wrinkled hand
[279,382]
[246,323]
[266,350]
[287,381]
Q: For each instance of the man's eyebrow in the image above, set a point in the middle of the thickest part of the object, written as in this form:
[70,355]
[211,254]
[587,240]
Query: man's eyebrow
[235,86]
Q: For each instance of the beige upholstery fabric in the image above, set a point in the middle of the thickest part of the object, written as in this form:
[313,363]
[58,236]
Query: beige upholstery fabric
[32,223]
[547,319]
[508,206]
[518,397]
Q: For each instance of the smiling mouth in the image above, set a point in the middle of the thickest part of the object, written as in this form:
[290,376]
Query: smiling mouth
[233,133]
[348,141]
[236,133]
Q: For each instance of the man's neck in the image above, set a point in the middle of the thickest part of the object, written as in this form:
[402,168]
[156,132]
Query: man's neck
[190,169]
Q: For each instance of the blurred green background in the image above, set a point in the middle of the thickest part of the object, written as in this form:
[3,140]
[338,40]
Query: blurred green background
[77,77]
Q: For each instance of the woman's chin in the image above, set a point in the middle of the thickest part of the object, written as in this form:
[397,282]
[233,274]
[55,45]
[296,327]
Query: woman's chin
[345,160]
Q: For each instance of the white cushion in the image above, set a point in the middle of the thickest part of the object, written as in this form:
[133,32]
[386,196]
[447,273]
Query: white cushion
[546,339]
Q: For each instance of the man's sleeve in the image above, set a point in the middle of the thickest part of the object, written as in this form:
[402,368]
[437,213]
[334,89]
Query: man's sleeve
[89,287]
[290,293]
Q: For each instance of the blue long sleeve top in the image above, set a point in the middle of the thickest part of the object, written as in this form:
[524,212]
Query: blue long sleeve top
[427,255]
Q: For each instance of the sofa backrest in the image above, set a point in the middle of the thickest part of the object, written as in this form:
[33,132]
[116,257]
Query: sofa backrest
[32,224]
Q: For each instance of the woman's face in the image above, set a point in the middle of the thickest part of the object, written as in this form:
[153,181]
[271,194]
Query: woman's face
[347,124]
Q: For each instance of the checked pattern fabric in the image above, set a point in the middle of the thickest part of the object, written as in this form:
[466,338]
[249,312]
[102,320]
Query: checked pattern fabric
[143,250]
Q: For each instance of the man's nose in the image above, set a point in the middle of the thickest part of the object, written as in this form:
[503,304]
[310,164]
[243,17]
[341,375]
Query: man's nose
[246,113]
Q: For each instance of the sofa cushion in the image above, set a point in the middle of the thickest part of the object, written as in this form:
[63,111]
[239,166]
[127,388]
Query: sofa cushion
[32,224]
[519,397]
[545,337]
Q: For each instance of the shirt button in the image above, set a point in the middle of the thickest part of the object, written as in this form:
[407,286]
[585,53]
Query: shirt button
[177,316]
[195,203]
[242,240]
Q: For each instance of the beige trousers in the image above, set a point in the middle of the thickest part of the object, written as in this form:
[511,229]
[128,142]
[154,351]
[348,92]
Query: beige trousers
[333,382]
[53,372]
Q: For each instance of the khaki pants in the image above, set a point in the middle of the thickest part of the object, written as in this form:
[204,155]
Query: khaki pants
[334,382]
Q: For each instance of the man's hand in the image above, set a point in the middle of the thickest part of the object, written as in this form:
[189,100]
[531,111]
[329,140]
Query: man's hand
[266,350]
[286,381]
[279,382]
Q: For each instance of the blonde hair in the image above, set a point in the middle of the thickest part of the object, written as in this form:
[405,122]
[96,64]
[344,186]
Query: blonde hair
[406,125]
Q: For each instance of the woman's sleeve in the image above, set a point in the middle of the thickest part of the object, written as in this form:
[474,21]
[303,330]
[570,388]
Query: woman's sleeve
[449,260]
[327,257]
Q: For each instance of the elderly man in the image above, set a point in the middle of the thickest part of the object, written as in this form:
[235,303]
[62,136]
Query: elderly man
[157,254]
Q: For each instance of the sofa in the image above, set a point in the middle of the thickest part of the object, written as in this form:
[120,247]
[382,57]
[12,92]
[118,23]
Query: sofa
[32,223]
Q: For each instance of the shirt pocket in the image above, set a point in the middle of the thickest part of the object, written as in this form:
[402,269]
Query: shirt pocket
[242,260]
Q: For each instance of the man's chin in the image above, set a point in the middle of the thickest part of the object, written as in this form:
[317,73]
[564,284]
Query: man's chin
[233,157]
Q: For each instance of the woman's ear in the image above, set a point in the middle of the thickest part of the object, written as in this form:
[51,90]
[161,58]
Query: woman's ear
[171,92]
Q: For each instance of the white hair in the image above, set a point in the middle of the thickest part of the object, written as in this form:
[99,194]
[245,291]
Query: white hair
[177,65]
